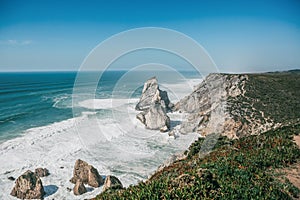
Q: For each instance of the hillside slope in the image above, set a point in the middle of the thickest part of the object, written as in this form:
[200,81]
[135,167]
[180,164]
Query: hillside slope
[235,169]
[262,111]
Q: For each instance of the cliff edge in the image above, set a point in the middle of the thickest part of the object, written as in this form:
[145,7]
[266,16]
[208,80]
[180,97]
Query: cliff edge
[238,105]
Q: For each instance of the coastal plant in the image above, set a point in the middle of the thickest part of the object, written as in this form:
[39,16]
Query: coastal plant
[235,169]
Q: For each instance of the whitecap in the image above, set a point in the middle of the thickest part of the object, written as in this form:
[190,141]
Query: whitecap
[119,145]
[105,103]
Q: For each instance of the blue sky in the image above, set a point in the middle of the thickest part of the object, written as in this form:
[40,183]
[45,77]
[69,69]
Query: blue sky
[240,36]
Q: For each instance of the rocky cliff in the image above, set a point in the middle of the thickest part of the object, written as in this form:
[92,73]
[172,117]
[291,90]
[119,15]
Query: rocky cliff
[239,105]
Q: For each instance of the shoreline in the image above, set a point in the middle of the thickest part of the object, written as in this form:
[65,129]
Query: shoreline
[55,146]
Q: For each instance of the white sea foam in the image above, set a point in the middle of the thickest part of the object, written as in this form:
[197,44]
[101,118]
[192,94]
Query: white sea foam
[62,101]
[119,145]
[105,103]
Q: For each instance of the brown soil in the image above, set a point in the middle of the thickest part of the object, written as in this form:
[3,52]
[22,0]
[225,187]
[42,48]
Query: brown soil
[297,140]
[293,174]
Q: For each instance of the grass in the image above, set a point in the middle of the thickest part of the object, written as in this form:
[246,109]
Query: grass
[235,169]
[276,95]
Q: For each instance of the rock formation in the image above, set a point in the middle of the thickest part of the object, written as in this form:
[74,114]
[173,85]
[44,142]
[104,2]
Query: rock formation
[79,188]
[28,186]
[155,118]
[220,105]
[207,105]
[87,174]
[112,182]
[41,172]
[152,94]
[154,103]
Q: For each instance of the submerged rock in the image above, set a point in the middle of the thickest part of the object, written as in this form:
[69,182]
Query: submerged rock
[87,174]
[155,118]
[28,186]
[79,188]
[152,94]
[41,172]
[112,182]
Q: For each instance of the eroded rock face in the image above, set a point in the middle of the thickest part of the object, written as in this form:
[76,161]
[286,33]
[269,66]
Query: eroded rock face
[207,106]
[155,118]
[41,172]
[87,174]
[155,104]
[152,94]
[79,188]
[28,186]
[112,182]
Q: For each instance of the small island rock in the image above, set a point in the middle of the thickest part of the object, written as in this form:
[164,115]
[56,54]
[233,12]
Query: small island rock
[28,186]
[152,94]
[155,118]
[87,174]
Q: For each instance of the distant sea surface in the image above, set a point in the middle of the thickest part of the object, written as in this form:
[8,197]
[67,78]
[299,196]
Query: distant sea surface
[29,100]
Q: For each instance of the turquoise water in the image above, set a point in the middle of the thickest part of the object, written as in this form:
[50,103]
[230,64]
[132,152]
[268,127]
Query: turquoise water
[30,100]
[43,125]
[34,99]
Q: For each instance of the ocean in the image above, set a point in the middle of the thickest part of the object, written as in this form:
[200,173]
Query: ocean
[42,126]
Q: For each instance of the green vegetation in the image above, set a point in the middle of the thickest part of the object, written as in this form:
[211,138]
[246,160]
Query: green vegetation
[269,97]
[235,169]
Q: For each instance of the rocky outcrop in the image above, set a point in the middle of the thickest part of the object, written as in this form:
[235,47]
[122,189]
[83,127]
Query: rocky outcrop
[28,186]
[222,104]
[207,106]
[112,183]
[152,94]
[79,188]
[155,104]
[41,172]
[155,118]
[87,174]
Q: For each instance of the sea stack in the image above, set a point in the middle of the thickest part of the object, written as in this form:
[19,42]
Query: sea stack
[87,174]
[151,94]
[154,104]
[28,186]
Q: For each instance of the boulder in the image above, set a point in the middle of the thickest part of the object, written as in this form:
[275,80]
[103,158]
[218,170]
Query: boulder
[87,174]
[41,172]
[79,188]
[152,94]
[112,182]
[28,186]
[155,118]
